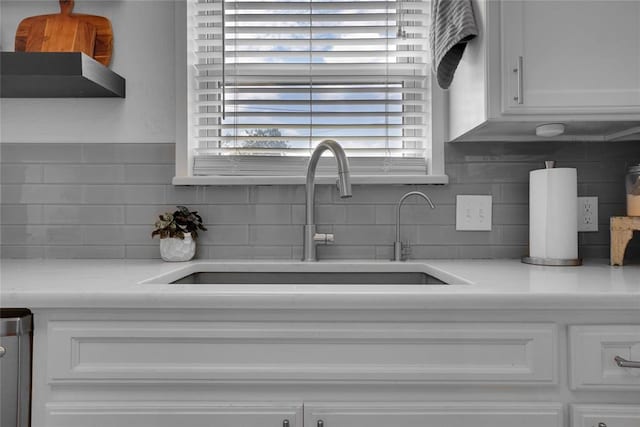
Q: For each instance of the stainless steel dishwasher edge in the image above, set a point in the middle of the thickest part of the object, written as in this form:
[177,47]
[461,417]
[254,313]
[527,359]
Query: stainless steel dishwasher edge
[16,331]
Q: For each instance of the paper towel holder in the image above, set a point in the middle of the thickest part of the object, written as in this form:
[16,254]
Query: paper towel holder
[552,262]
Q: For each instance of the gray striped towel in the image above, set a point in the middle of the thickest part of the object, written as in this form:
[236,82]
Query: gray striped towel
[452,26]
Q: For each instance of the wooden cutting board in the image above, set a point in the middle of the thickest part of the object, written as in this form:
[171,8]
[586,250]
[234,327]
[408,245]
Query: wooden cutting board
[66,32]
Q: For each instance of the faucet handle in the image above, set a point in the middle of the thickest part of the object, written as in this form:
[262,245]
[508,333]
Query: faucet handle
[323,238]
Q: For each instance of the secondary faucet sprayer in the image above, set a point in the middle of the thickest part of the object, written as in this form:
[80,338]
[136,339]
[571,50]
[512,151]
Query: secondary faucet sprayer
[397,245]
[311,238]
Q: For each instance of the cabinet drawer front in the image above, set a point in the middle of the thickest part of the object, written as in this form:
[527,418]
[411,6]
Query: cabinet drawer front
[126,351]
[609,415]
[485,414]
[163,414]
[593,348]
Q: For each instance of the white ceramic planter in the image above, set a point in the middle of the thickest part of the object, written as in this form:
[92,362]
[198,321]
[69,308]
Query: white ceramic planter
[174,249]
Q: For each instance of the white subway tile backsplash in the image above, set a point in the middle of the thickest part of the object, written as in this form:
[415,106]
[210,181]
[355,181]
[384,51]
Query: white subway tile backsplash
[149,174]
[435,234]
[129,153]
[145,214]
[21,173]
[185,195]
[271,214]
[361,214]
[513,234]
[354,234]
[41,194]
[106,234]
[213,195]
[83,214]
[375,194]
[436,251]
[104,194]
[514,193]
[249,252]
[23,234]
[324,214]
[145,252]
[230,214]
[608,192]
[40,153]
[511,214]
[86,174]
[602,251]
[21,214]
[415,214]
[347,252]
[64,235]
[225,235]
[275,235]
[84,252]
[285,194]
[101,200]
[138,235]
[20,251]
[151,194]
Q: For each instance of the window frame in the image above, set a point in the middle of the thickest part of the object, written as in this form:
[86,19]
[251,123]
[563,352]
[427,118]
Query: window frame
[184,157]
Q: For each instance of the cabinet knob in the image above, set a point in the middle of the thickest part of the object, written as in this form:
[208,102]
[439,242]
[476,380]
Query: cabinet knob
[285,423]
[320,423]
[2,351]
[602,425]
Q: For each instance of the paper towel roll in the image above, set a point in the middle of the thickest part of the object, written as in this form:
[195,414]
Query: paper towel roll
[553,223]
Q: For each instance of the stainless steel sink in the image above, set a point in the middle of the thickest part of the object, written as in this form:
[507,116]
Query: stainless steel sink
[304,273]
[308,278]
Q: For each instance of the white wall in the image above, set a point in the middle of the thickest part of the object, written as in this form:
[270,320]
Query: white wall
[143,53]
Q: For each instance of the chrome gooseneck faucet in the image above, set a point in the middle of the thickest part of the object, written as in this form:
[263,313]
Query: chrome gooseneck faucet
[311,238]
[397,245]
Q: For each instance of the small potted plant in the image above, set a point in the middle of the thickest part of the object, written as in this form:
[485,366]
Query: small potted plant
[178,232]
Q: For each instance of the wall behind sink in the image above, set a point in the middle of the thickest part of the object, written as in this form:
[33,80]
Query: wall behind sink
[99,201]
[85,178]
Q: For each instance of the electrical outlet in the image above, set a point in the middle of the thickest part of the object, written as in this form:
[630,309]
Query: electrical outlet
[587,214]
[473,213]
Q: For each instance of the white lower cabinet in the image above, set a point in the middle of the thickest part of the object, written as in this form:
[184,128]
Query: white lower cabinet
[125,352]
[449,414]
[594,350]
[115,372]
[362,414]
[252,369]
[605,358]
[605,415]
[172,414]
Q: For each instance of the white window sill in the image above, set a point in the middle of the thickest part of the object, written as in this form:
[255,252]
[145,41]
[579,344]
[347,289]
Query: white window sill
[293,180]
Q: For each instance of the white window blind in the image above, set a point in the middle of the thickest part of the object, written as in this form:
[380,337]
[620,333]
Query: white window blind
[271,79]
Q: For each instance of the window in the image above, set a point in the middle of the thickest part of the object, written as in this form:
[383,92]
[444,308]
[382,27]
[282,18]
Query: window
[269,79]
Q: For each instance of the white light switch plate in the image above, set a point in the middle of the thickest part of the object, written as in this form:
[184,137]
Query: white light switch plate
[587,214]
[473,213]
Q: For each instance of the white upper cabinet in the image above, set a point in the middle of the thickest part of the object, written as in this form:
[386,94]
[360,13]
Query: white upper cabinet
[577,56]
[537,61]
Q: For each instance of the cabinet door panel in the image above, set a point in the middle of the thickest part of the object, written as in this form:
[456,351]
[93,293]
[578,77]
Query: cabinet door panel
[593,349]
[609,415]
[578,56]
[196,352]
[162,414]
[483,414]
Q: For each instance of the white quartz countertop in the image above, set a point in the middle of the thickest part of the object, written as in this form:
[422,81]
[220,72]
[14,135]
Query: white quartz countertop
[493,284]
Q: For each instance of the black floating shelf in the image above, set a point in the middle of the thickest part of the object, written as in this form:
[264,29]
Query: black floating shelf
[57,75]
